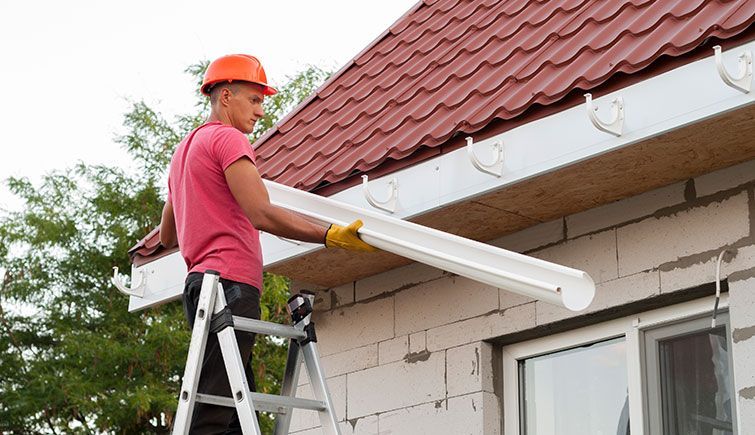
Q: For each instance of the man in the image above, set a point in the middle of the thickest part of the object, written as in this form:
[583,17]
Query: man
[216,204]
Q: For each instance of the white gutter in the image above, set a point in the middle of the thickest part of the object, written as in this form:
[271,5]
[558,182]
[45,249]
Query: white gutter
[683,96]
[532,277]
[160,281]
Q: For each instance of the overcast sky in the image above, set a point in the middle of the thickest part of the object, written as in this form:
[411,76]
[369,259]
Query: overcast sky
[68,69]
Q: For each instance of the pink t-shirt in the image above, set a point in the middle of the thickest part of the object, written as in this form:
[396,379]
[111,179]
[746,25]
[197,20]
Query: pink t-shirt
[213,231]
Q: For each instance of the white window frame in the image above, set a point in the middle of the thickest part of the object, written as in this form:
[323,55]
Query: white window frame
[631,327]
[653,376]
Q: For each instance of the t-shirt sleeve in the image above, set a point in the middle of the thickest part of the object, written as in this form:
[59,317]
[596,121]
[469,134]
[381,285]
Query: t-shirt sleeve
[229,145]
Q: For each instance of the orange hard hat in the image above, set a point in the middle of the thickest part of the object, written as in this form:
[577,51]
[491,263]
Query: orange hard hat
[236,67]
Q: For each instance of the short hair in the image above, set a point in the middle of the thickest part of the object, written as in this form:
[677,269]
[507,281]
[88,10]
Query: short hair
[231,86]
[217,87]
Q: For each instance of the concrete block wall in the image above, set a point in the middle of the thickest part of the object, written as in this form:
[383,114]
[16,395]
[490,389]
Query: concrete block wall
[405,352]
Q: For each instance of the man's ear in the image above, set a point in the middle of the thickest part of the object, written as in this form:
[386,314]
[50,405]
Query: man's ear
[225,95]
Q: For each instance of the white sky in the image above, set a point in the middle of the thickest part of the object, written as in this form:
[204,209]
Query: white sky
[69,68]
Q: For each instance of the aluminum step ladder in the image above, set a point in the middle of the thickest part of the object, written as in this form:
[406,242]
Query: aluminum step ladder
[302,343]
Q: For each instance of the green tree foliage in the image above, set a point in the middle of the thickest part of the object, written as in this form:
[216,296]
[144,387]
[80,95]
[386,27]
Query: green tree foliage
[72,359]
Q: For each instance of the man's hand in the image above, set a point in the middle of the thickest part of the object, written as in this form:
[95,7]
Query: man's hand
[347,238]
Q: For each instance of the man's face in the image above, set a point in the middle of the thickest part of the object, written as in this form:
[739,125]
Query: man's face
[245,106]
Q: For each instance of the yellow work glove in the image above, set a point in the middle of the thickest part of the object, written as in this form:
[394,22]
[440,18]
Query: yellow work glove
[347,238]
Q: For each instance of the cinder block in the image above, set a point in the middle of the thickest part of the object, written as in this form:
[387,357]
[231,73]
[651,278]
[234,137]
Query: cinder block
[745,413]
[615,213]
[480,328]
[742,308]
[392,350]
[608,294]
[491,410]
[396,385]
[351,360]
[303,377]
[323,300]
[724,179]
[743,354]
[532,237]
[345,426]
[654,241]
[741,315]
[473,414]
[342,295]
[402,277]
[418,342]
[442,301]
[508,299]
[469,369]
[594,254]
[704,271]
[305,419]
[365,426]
[354,326]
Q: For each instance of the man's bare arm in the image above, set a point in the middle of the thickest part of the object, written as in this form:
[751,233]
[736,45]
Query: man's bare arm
[168,237]
[250,192]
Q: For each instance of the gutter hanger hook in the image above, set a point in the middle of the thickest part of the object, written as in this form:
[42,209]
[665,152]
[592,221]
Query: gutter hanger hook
[743,82]
[389,204]
[616,125]
[137,291]
[496,168]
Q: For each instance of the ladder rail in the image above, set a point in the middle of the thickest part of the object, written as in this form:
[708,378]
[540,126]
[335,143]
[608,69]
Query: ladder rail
[234,368]
[289,385]
[192,370]
[328,420]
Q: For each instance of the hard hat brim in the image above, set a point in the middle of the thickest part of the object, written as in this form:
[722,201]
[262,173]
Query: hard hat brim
[266,89]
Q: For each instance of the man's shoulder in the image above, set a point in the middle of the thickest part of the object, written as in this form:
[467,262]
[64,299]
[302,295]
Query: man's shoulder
[223,131]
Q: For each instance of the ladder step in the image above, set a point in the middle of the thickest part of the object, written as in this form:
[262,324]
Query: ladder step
[265,402]
[266,328]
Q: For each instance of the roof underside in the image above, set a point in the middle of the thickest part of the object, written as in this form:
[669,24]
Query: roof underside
[454,66]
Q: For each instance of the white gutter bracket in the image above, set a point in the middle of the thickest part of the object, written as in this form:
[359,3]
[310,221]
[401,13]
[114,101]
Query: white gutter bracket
[743,82]
[389,204]
[136,291]
[496,168]
[616,125]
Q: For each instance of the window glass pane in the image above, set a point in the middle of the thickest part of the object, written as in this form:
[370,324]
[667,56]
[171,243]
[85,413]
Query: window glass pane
[695,384]
[577,391]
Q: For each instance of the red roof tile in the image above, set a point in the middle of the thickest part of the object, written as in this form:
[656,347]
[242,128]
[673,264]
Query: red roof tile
[451,66]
